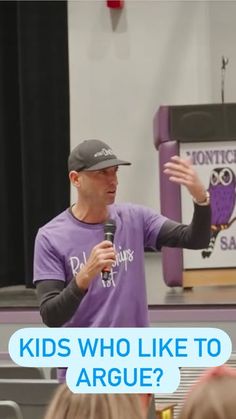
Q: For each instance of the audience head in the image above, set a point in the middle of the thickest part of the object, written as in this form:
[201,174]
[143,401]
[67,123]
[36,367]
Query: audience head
[68,405]
[213,396]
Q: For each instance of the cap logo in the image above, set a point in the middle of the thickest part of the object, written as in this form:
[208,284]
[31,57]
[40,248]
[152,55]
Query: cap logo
[104,152]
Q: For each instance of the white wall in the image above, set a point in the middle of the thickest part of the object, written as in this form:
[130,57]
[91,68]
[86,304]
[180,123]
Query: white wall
[124,65]
[119,77]
[222,23]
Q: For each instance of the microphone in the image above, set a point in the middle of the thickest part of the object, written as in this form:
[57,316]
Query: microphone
[109,228]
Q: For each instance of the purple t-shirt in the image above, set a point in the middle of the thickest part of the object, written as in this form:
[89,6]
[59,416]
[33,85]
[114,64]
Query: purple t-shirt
[64,244]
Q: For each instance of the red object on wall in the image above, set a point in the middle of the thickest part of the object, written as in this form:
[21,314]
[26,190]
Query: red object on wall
[115,4]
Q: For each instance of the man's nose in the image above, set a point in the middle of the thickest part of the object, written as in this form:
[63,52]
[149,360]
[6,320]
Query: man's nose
[113,179]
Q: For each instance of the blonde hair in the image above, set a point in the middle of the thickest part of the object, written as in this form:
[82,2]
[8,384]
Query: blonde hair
[68,405]
[213,397]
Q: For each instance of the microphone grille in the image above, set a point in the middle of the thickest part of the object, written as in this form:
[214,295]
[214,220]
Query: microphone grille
[110,226]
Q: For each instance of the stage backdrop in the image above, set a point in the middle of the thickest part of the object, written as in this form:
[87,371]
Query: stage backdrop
[34,128]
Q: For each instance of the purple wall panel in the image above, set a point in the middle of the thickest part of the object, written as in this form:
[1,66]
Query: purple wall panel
[172,259]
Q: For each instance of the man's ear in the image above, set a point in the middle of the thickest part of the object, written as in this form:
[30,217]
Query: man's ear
[74,178]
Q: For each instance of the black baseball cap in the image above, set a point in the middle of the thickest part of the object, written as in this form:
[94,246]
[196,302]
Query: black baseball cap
[93,155]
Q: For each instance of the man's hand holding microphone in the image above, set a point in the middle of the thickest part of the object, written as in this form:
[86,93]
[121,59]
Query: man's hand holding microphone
[100,259]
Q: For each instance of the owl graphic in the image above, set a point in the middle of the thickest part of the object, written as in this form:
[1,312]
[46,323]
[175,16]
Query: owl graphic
[223,196]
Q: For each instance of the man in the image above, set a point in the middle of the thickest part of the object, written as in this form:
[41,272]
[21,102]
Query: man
[71,253]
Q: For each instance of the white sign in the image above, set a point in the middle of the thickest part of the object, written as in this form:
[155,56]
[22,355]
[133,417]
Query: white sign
[215,163]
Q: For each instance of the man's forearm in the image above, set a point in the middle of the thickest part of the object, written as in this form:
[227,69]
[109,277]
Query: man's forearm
[58,304]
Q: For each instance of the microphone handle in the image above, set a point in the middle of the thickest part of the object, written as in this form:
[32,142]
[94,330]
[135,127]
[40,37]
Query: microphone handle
[105,275]
[106,272]
[109,236]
